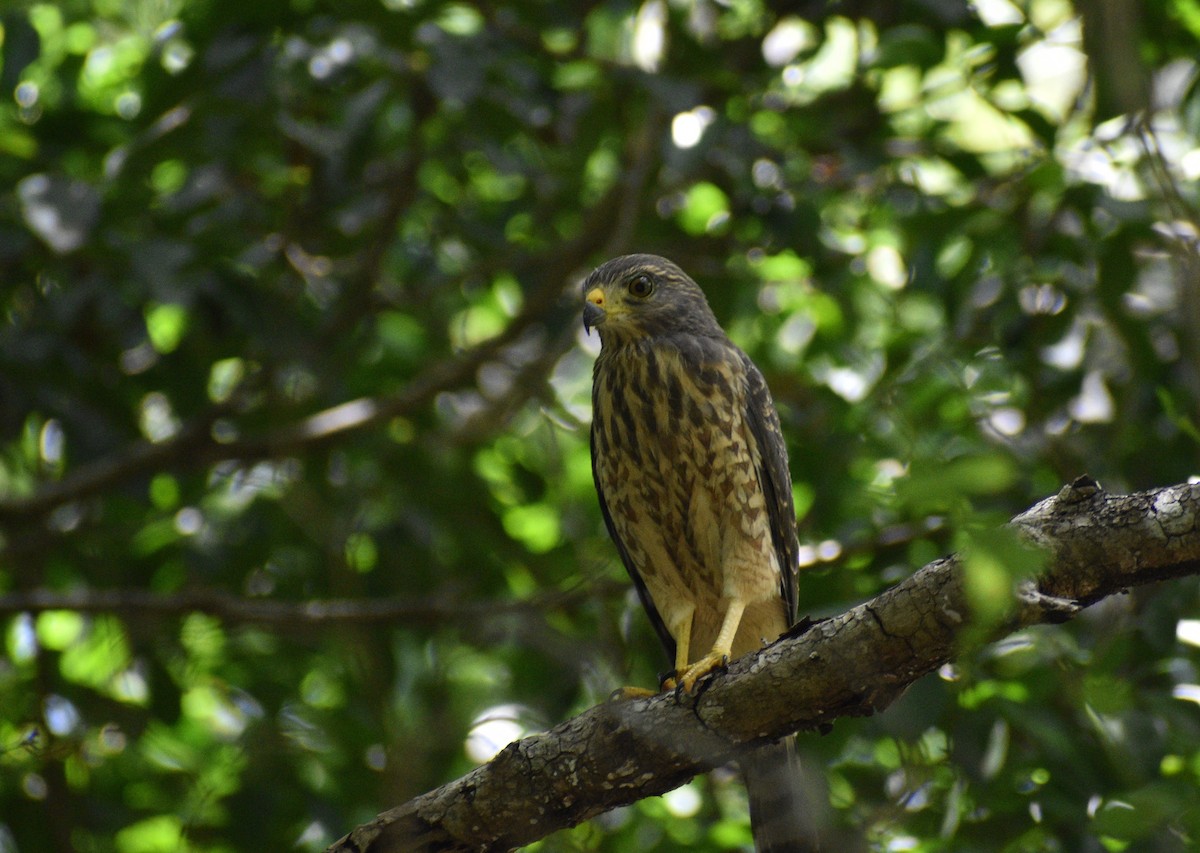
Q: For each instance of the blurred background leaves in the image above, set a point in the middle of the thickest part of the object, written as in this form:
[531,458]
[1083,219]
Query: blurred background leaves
[289,315]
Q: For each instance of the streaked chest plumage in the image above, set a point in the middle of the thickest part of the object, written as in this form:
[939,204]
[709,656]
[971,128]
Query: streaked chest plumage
[678,468]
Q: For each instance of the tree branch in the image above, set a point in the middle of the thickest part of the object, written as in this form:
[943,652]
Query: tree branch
[1094,545]
[194,445]
[299,614]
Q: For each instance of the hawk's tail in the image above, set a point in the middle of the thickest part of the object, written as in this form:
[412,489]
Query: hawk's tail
[780,817]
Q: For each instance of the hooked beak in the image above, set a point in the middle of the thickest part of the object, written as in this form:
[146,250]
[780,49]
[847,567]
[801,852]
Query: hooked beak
[593,309]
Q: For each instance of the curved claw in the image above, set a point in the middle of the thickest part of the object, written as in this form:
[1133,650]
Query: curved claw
[668,681]
[708,664]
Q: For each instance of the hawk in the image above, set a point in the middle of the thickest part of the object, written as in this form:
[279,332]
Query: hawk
[691,470]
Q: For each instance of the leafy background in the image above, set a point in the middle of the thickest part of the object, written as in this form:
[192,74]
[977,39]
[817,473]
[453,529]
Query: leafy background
[289,317]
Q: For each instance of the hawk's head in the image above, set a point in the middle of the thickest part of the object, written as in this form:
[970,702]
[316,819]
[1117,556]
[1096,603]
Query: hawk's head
[644,296]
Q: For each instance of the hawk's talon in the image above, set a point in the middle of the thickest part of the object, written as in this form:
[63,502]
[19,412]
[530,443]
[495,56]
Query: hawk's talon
[707,665]
[623,693]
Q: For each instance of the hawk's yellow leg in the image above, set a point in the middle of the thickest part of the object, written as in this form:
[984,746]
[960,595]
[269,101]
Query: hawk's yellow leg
[680,626]
[719,655]
[681,630]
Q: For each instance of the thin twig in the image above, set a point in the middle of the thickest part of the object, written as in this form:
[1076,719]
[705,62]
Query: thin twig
[437,610]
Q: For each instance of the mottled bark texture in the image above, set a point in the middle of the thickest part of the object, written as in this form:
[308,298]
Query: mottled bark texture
[1093,545]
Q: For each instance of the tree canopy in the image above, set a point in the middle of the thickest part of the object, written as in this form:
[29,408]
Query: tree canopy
[296,512]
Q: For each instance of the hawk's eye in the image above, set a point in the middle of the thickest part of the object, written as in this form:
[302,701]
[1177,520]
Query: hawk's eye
[641,286]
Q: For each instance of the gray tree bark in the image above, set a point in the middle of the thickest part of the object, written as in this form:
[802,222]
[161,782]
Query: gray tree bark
[1076,548]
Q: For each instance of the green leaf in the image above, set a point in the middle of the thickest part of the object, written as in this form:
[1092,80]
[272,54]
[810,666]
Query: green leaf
[166,325]
[536,525]
[158,834]
[994,560]
[1180,419]
[58,629]
[223,378]
[1136,814]
[100,654]
[361,553]
[705,209]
